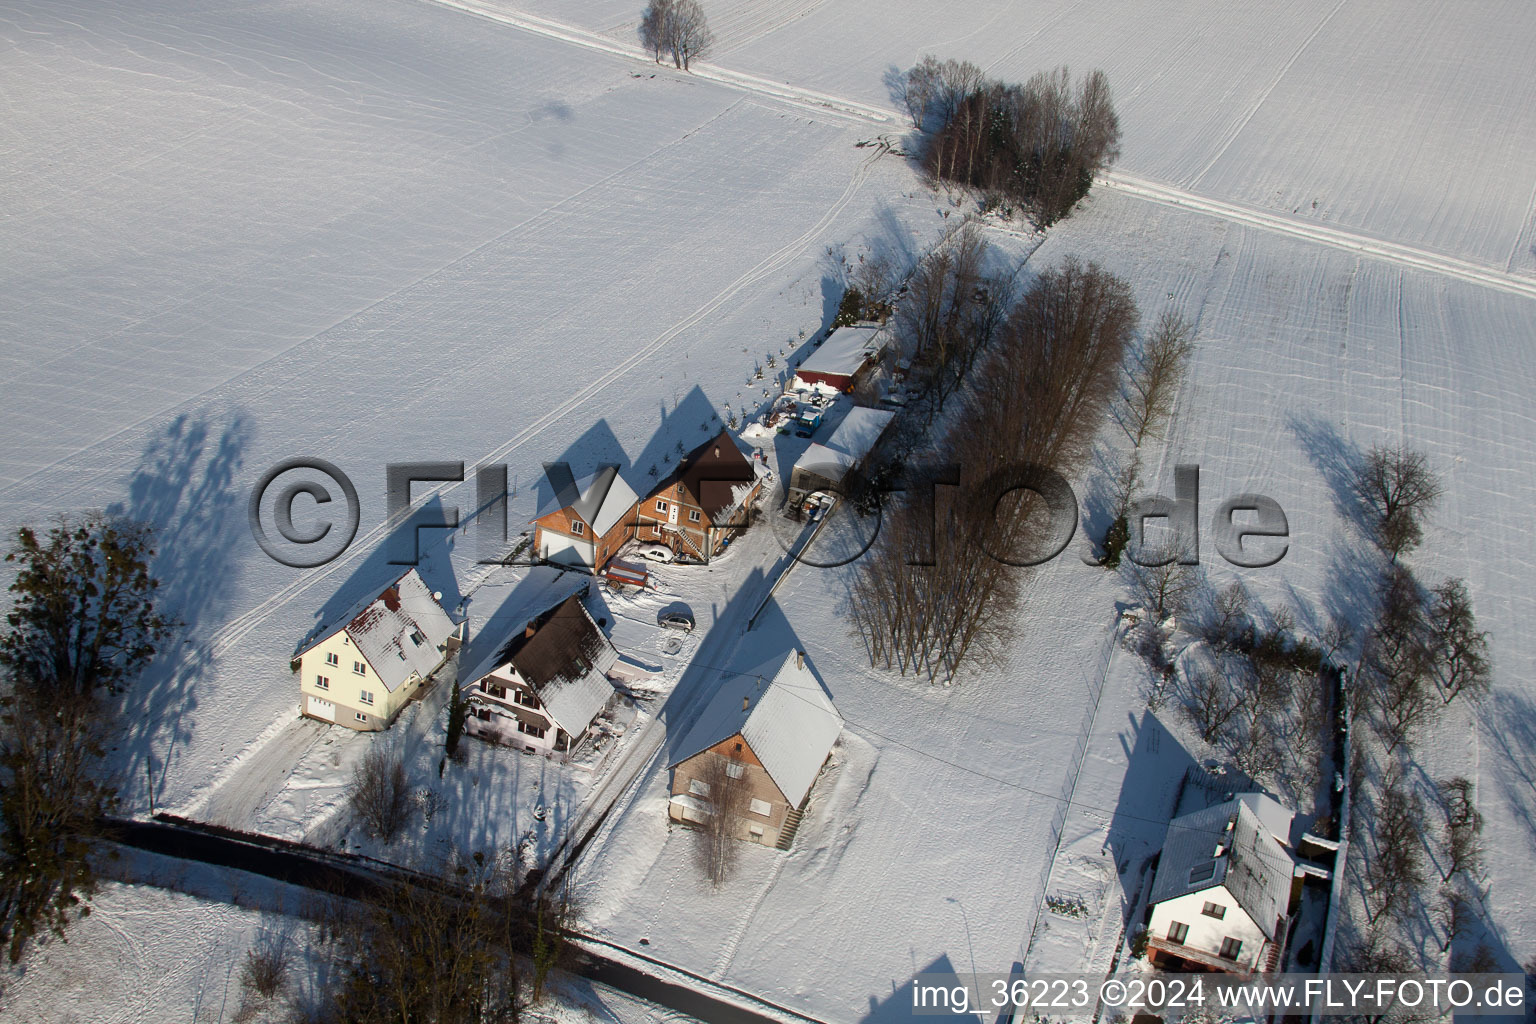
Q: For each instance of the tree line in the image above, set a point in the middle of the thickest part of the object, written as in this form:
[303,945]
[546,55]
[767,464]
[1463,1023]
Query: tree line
[937,589]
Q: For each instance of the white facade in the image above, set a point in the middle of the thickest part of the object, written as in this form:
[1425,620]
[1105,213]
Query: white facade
[1193,917]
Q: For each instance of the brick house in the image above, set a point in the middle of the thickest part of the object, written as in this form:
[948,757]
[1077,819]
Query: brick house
[703,503]
[367,665]
[545,685]
[586,521]
[775,727]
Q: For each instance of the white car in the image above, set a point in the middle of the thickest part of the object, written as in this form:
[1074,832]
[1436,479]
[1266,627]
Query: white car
[676,620]
[656,552]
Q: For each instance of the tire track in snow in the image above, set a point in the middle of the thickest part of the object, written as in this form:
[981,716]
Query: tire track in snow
[1392,252]
[237,630]
[1264,96]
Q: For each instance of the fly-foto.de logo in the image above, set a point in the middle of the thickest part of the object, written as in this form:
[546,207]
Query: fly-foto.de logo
[305,513]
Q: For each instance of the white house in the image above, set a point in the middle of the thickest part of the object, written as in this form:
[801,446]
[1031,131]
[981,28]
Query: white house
[1221,897]
[544,686]
[363,668]
[774,726]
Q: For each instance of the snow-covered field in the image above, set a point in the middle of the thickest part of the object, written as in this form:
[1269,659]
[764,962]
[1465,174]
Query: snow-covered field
[399,231]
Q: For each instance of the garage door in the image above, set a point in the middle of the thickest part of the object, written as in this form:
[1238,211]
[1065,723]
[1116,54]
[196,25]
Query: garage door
[321,708]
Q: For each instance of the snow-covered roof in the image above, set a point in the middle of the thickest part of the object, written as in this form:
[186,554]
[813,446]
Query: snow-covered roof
[824,462]
[844,351]
[849,443]
[783,714]
[400,631]
[1226,845]
[600,498]
[1272,814]
[859,431]
[565,658]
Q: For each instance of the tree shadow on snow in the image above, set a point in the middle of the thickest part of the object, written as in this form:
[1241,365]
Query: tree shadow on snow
[183,487]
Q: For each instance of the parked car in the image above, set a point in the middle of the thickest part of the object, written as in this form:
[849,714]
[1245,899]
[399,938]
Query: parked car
[656,552]
[676,620]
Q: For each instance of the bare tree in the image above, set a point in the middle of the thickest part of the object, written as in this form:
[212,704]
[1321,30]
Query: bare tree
[1229,616]
[1395,871]
[688,34]
[676,28]
[1398,490]
[1399,663]
[716,840]
[1454,914]
[654,22]
[1463,829]
[379,793]
[436,950]
[1164,589]
[1153,376]
[1461,652]
[1212,702]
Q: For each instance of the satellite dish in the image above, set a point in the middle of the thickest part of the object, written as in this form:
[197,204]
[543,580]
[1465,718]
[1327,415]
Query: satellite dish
[437,595]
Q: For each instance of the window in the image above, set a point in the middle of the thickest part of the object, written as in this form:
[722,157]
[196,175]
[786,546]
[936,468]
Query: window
[693,515]
[360,667]
[661,506]
[359,716]
[578,527]
[735,770]
[525,698]
[1202,873]
[1231,948]
[496,690]
[762,807]
[698,787]
[366,696]
[756,830]
[1178,932]
[417,638]
[484,714]
[331,658]
[531,730]
[322,683]
[1215,910]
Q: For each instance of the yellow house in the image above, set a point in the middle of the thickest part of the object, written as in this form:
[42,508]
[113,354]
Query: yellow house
[360,671]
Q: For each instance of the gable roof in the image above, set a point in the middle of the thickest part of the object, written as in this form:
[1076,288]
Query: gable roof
[385,627]
[844,350]
[565,658]
[601,498]
[1251,864]
[850,442]
[783,714]
[715,474]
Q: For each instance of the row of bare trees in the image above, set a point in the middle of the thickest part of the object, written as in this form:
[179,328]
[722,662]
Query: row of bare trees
[1036,145]
[1420,652]
[936,589]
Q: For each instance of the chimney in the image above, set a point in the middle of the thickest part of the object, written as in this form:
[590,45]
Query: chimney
[800,659]
[1221,848]
[391,599]
[717,451]
[529,631]
[746,702]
